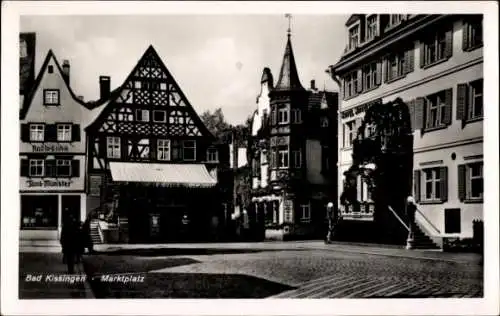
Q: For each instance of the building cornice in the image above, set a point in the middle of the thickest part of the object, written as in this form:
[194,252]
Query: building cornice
[376,47]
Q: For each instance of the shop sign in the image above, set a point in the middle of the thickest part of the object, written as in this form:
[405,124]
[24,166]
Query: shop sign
[49,147]
[49,183]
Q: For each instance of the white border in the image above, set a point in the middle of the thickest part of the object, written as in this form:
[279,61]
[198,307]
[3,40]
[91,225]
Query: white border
[11,12]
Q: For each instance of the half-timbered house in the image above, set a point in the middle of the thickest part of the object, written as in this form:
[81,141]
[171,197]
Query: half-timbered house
[51,153]
[154,168]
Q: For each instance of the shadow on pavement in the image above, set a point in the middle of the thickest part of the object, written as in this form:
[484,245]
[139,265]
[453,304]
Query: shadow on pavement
[189,285]
[161,252]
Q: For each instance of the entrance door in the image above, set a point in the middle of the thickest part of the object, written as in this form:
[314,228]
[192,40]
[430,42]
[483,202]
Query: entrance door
[174,226]
[71,207]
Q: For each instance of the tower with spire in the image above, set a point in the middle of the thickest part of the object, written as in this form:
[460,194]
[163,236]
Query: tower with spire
[289,187]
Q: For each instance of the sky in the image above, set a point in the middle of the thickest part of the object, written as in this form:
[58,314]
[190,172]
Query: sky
[217,60]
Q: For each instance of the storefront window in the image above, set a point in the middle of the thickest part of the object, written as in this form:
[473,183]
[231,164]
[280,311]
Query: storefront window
[39,211]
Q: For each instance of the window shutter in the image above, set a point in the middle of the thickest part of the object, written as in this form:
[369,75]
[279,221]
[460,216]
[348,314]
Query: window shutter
[419,113]
[386,69]
[409,60]
[153,142]
[102,145]
[25,167]
[25,132]
[461,100]
[75,132]
[461,182]
[50,133]
[273,114]
[75,168]
[448,99]
[448,49]
[359,89]
[416,185]
[422,54]
[465,36]
[359,121]
[124,148]
[443,176]
[378,79]
[50,168]
[411,109]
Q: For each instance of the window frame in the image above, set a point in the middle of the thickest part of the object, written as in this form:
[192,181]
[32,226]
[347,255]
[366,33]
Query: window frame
[40,165]
[184,147]
[469,178]
[212,155]
[63,163]
[350,42]
[42,129]
[296,116]
[471,26]
[282,162]
[69,131]
[305,209]
[114,146]
[371,71]
[282,114]
[142,111]
[350,134]
[297,154]
[163,146]
[164,116]
[437,102]
[47,101]
[437,41]
[471,100]
[435,182]
[373,27]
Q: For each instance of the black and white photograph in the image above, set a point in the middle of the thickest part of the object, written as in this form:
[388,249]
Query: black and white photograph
[266,153]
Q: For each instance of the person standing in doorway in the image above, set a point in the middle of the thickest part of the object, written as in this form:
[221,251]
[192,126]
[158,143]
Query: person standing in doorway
[69,242]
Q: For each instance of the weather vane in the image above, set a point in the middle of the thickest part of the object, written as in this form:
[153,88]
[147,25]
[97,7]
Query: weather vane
[289,17]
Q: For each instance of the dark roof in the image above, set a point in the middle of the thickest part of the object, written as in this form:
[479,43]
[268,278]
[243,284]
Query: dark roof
[315,99]
[267,76]
[288,79]
[29,97]
[353,18]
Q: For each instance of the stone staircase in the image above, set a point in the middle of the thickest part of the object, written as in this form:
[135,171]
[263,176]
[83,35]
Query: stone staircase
[94,232]
[421,240]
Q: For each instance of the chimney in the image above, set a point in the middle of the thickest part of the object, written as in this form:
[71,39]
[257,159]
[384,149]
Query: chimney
[104,86]
[65,70]
[313,85]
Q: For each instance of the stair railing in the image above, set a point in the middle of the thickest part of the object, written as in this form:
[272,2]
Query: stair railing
[437,231]
[398,218]
[99,229]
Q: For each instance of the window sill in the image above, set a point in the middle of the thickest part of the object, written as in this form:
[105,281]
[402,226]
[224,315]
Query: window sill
[428,202]
[395,78]
[472,48]
[473,201]
[346,148]
[437,62]
[371,89]
[472,120]
[435,128]
[52,104]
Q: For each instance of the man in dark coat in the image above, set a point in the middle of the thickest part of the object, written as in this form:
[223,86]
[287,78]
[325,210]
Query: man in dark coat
[69,242]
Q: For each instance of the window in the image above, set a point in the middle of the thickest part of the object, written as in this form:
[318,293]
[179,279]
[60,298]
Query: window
[163,149]
[371,27]
[350,133]
[283,158]
[305,213]
[470,182]
[113,147]
[50,69]
[137,85]
[436,107]
[163,86]
[296,116]
[350,84]
[37,132]
[189,150]
[297,158]
[50,97]
[64,132]
[437,48]
[353,37]
[212,155]
[159,116]
[274,162]
[432,184]
[63,167]
[142,115]
[39,211]
[395,66]
[283,116]
[370,76]
[37,167]
[263,157]
[475,108]
[473,33]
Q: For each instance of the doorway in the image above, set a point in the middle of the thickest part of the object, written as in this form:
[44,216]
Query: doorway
[70,205]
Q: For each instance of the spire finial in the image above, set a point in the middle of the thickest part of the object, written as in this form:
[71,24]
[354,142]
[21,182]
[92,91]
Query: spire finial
[289,17]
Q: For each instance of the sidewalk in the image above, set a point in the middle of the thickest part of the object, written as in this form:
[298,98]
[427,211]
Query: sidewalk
[369,249]
[41,277]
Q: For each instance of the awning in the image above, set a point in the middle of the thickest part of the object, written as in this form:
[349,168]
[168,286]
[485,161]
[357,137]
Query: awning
[168,175]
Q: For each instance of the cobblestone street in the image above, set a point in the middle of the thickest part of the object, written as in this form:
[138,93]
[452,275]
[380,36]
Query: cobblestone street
[298,270]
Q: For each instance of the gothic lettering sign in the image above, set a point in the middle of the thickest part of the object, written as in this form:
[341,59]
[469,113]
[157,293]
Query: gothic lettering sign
[359,109]
[50,147]
[48,183]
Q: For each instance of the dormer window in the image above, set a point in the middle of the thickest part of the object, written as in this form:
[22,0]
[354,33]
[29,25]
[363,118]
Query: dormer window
[37,132]
[371,27]
[397,19]
[354,37]
[51,97]
[64,132]
[50,69]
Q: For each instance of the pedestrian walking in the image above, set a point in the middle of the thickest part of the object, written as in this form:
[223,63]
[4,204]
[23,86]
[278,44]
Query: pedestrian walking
[69,242]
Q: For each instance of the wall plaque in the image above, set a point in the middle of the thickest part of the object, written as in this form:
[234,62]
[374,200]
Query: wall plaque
[48,183]
[48,147]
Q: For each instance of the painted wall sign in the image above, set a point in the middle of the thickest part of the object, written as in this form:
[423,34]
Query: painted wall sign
[48,147]
[47,183]
[359,109]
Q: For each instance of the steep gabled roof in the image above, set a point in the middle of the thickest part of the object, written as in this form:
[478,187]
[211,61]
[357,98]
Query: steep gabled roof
[288,79]
[149,56]
[29,98]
